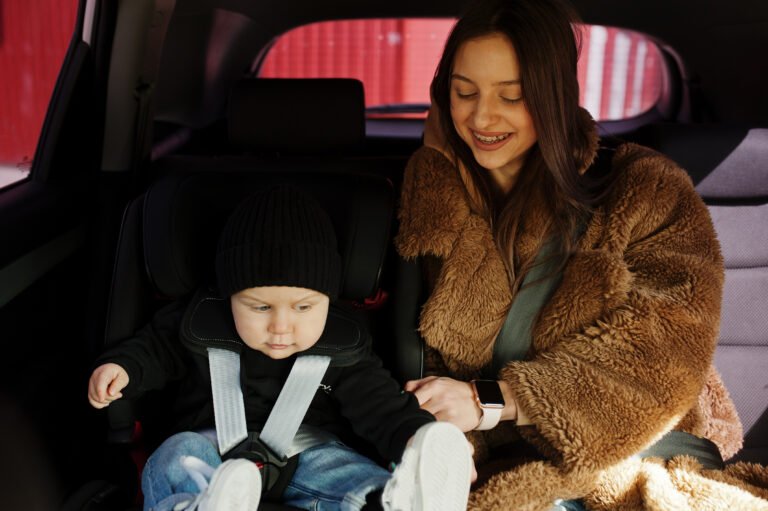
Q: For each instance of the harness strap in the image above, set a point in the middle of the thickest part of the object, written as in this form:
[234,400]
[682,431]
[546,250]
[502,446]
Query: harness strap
[292,403]
[307,437]
[676,443]
[228,406]
[279,433]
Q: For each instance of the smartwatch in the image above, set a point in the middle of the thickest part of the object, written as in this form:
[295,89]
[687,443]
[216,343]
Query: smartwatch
[491,401]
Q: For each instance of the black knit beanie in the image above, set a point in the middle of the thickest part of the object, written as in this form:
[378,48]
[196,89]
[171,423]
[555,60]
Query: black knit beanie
[280,237]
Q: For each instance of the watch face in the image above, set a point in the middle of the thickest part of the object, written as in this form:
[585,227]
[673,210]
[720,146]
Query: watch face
[489,393]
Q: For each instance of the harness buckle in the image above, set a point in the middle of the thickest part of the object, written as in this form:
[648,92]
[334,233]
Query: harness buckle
[270,464]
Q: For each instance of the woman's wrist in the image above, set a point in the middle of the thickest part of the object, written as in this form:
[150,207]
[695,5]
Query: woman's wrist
[509,413]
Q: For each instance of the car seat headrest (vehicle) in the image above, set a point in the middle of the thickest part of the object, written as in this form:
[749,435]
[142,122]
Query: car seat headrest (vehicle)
[725,162]
[297,115]
[743,173]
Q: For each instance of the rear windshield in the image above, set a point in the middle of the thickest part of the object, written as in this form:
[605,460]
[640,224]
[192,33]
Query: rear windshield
[620,71]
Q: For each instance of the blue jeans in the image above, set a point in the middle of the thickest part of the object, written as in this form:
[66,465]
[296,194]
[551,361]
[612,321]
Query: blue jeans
[333,477]
[570,505]
[329,476]
[164,481]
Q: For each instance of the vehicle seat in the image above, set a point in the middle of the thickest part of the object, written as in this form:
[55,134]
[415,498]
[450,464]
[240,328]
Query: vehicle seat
[276,123]
[729,166]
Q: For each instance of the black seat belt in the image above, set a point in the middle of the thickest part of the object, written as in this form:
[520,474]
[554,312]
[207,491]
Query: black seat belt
[676,443]
[539,283]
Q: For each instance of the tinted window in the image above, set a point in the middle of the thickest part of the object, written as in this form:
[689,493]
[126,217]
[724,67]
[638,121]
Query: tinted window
[33,40]
[619,70]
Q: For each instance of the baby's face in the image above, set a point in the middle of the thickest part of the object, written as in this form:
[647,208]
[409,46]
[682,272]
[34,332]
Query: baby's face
[279,320]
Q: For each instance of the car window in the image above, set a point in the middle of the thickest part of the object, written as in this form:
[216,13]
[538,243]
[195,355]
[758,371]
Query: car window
[620,71]
[33,40]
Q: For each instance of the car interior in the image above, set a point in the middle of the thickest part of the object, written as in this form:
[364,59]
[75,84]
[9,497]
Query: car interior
[160,122]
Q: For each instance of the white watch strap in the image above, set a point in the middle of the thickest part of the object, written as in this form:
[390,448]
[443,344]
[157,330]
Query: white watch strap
[489,419]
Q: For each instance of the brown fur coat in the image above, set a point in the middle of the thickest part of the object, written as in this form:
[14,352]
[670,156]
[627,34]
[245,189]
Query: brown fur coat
[621,354]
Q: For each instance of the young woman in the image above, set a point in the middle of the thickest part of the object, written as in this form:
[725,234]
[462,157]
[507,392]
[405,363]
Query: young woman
[574,289]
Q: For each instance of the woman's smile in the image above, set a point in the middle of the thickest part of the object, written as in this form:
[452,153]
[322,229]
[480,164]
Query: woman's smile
[490,142]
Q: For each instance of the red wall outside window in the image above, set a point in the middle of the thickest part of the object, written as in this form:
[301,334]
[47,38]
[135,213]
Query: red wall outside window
[394,58]
[34,35]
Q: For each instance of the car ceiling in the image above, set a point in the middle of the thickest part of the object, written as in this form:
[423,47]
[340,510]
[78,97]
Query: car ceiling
[210,43]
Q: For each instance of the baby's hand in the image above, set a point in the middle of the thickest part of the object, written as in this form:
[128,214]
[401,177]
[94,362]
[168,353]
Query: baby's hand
[105,385]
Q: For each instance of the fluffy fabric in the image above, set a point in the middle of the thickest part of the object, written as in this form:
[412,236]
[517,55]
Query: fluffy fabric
[620,355]
[680,484]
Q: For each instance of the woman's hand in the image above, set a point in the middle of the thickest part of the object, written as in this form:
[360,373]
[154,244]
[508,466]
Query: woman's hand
[448,400]
[105,385]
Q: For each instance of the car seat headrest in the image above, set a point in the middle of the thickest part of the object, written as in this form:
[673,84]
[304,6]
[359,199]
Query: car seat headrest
[297,115]
[725,162]
[185,213]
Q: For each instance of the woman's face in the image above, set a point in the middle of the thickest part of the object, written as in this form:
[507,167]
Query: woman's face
[487,107]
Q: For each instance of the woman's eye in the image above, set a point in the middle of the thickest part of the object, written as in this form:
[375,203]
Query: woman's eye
[303,307]
[465,95]
[511,100]
[261,308]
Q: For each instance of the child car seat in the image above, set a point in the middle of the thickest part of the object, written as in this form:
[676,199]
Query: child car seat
[168,240]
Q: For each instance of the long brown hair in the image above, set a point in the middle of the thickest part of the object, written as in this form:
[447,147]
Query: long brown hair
[545,36]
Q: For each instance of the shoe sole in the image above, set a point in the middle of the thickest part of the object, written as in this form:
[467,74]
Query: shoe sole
[442,479]
[236,486]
